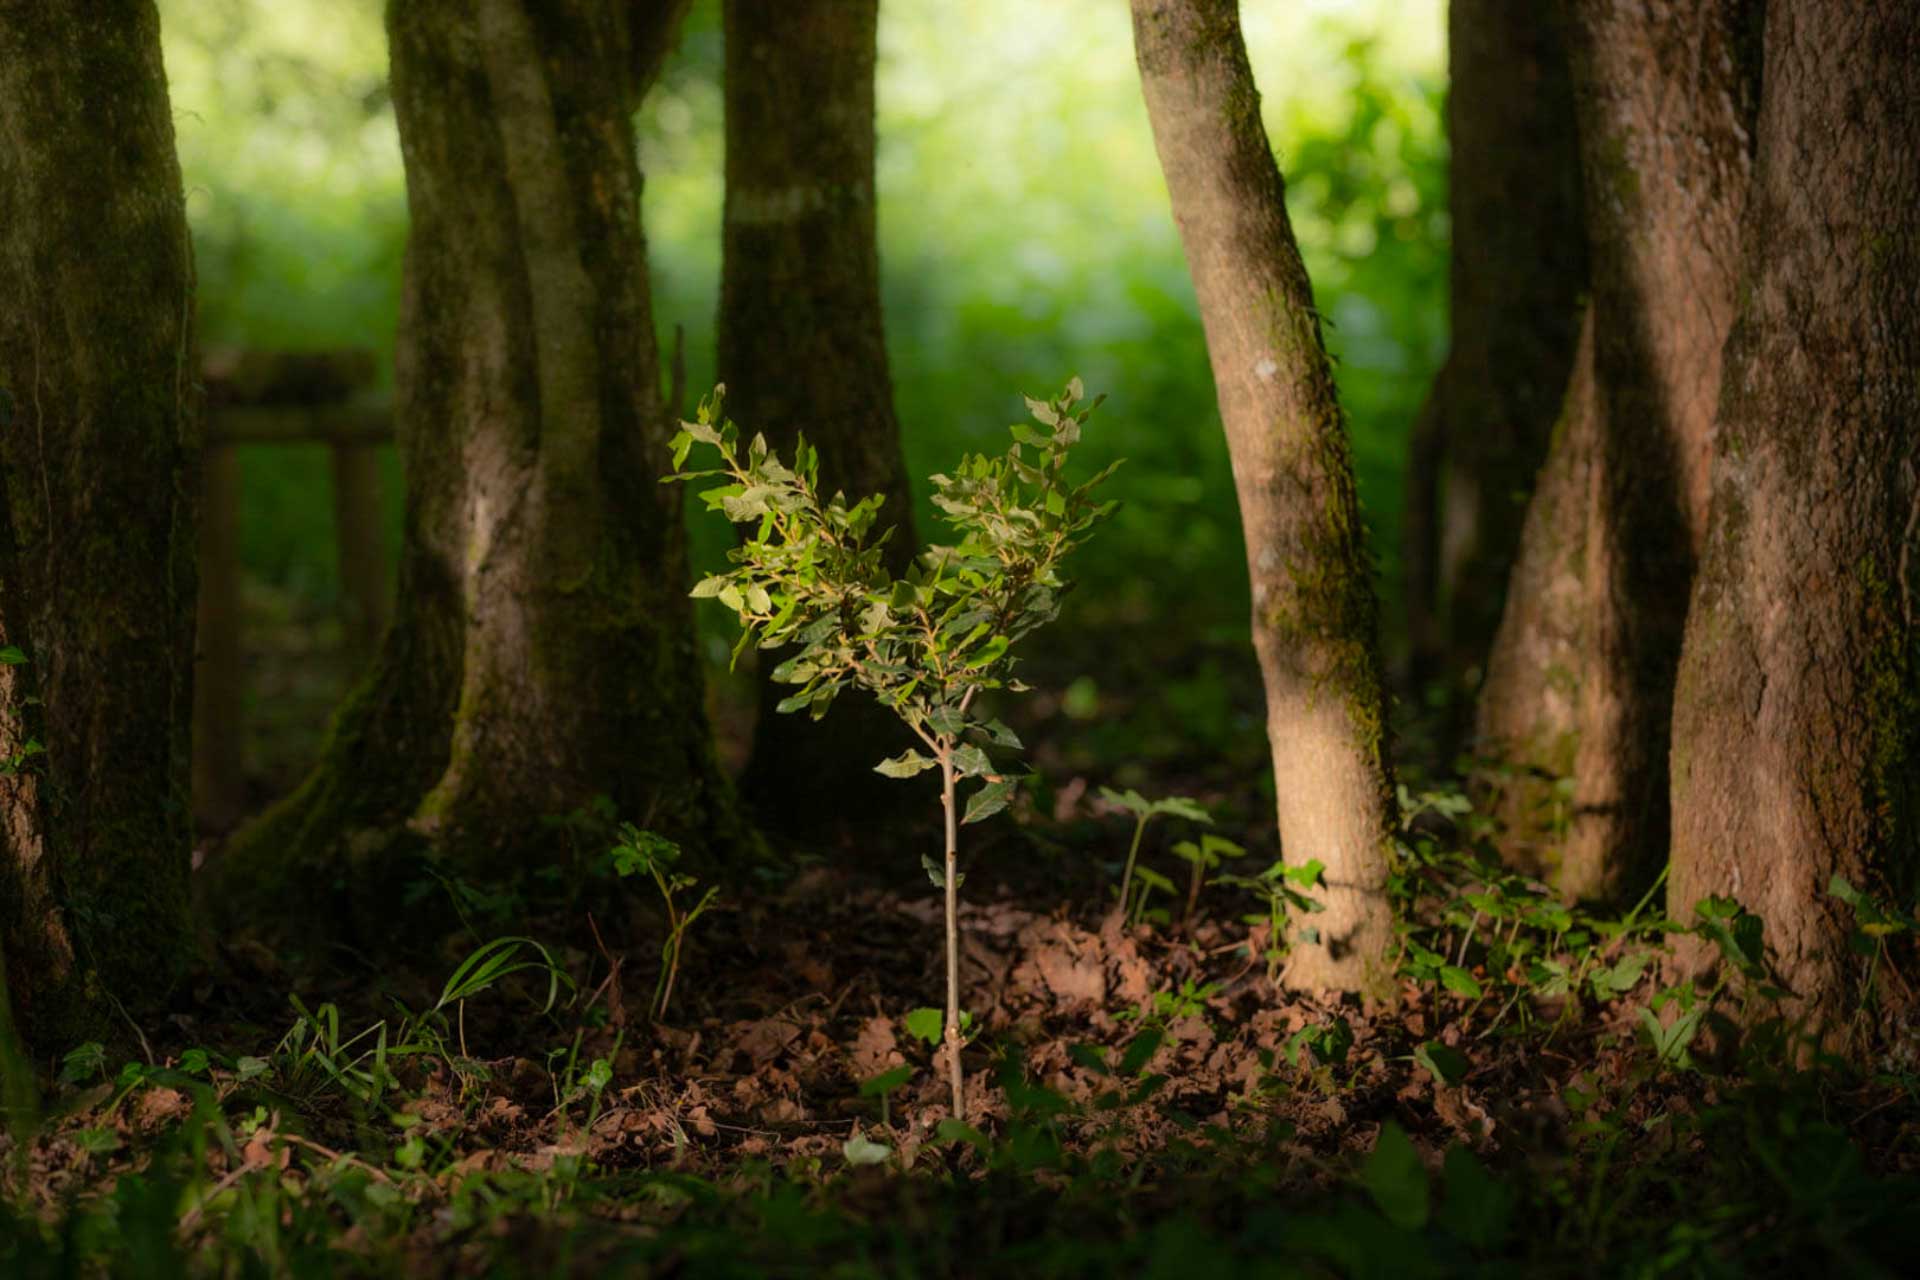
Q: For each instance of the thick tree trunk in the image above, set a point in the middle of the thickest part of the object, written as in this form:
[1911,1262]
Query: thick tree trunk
[802,349]
[1528,714]
[1518,270]
[1313,603]
[99,438]
[541,653]
[1664,94]
[1796,751]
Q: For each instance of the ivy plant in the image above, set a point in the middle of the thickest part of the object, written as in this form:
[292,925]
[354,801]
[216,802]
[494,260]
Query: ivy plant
[809,578]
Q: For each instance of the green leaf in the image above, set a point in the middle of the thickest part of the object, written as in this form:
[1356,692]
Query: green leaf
[1447,1065]
[12,656]
[951,1130]
[862,1150]
[886,1082]
[1475,1209]
[1091,1056]
[905,765]
[926,1024]
[1395,1178]
[708,587]
[1003,736]
[972,762]
[989,800]
[1140,1051]
[935,872]
[1460,982]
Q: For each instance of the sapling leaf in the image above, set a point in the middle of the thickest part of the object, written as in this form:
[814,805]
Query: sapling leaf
[905,765]
[989,800]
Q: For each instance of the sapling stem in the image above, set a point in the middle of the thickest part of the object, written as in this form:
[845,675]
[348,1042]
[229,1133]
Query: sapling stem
[953,931]
[1133,853]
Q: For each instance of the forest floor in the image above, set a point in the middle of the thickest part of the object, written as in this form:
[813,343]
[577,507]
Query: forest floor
[1143,1098]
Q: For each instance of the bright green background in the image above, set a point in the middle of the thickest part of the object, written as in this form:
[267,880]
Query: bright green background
[1025,237]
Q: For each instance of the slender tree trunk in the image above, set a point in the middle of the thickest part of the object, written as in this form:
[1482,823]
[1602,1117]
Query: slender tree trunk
[99,439]
[1518,270]
[1796,749]
[1664,94]
[541,653]
[1313,604]
[802,350]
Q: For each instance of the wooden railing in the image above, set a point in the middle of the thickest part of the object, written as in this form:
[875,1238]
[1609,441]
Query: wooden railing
[267,398]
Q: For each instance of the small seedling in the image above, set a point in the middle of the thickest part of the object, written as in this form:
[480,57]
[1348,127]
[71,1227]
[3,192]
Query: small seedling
[1203,857]
[1145,811]
[810,576]
[652,854]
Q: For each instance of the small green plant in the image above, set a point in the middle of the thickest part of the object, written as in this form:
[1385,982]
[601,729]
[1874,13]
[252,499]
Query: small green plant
[649,853]
[1202,857]
[1145,811]
[810,577]
[1286,890]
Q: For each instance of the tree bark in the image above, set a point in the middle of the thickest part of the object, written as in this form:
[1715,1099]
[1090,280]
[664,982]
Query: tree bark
[1518,271]
[99,436]
[1314,613]
[802,349]
[1664,94]
[541,652]
[1796,748]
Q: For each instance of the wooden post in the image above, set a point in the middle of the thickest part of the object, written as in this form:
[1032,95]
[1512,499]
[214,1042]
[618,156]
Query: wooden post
[359,547]
[219,687]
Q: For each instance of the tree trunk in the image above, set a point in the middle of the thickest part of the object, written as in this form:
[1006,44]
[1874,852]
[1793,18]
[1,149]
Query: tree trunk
[1796,751]
[1663,94]
[541,652]
[1518,270]
[1313,604]
[99,439]
[802,350]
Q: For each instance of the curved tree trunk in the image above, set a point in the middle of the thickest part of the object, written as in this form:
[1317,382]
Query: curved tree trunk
[99,439]
[1664,94]
[1796,750]
[1518,270]
[541,652]
[802,350]
[1313,604]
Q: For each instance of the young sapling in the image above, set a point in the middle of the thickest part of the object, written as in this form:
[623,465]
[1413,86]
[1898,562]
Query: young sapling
[809,577]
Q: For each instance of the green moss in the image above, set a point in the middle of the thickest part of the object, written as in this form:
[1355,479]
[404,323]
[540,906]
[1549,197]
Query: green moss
[1891,689]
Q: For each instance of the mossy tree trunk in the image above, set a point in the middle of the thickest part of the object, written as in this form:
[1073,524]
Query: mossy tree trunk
[1314,613]
[1518,272]
[802,348]
[541,650]
[1796,749]
[1664,97]
[99,438]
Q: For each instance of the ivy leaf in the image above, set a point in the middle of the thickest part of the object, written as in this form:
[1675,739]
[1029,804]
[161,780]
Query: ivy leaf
[1447,1065]
[989,800]
[862,1150]
[926,1024]
[1396,1179]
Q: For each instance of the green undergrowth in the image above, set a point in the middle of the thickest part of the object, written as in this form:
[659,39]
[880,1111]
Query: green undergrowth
[1544,1100]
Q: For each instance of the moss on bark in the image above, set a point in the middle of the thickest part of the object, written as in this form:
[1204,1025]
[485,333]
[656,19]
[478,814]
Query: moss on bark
[98,461]
[541,654]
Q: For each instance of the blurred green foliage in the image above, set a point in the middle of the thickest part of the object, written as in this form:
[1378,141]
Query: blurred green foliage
[1025,236]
